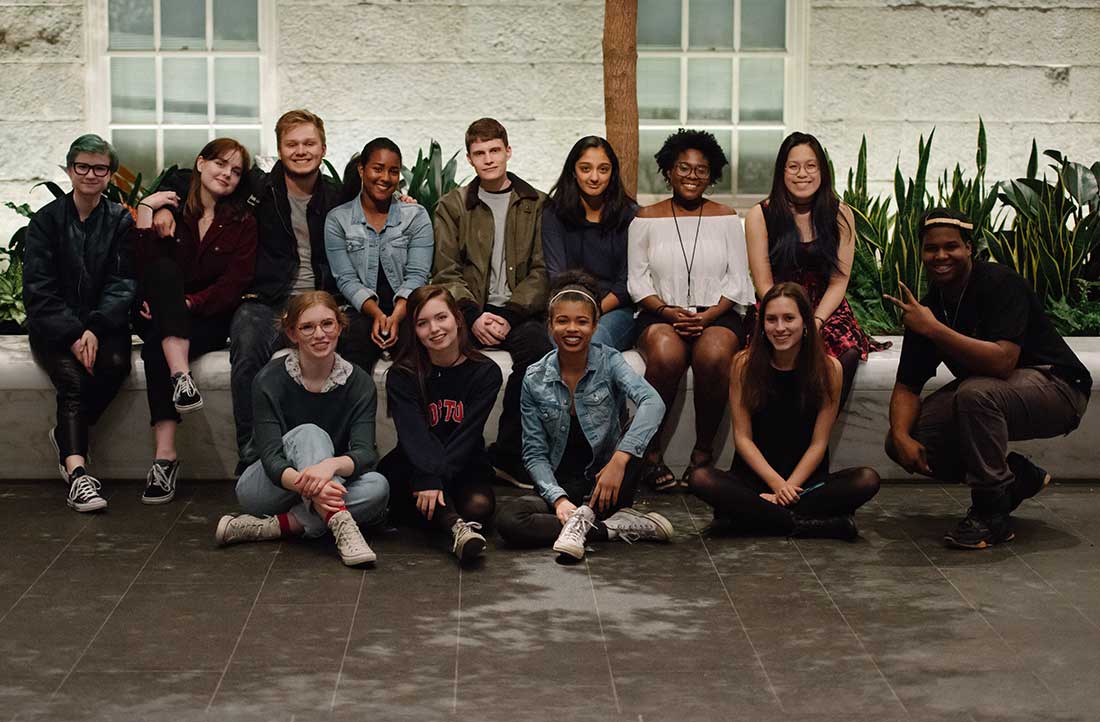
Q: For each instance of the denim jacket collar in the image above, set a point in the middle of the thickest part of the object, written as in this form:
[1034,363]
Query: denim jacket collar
[552,370]
[393,216]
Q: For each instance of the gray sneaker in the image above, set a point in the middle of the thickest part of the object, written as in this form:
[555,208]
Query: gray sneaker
[573,534]
[234,529]
[350,543]
[631,526]
[469,544]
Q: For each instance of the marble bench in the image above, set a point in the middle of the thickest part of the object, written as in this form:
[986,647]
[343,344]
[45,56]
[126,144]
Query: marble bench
[122,442]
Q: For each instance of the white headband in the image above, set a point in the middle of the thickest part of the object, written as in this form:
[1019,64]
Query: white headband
[577,291]
[948,222]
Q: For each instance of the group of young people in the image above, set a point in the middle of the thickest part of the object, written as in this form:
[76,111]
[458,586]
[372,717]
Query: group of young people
[342,275]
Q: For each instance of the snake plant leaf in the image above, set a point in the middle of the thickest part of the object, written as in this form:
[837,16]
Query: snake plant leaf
[1056,155]
[1033,160]
[332,171]
[1080,182]
[981,156]
[51,187]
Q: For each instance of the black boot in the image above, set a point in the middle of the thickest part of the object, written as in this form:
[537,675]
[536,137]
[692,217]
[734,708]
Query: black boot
[986,523]
[826,527]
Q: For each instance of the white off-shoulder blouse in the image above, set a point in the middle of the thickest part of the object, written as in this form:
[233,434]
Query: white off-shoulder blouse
[656,262]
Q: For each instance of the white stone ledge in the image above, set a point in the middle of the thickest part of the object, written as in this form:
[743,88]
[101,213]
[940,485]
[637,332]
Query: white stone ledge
[122,442]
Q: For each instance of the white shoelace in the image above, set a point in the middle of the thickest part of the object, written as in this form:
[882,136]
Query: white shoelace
[162,477]
[345,536]
[83,487]
[576,528]
[464,529]
[184,385]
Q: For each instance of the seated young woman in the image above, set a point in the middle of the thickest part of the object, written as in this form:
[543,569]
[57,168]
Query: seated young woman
[314,431]
[440,392]
[802,233]
[190,285]
[584,466]
[584,227]
[689,274]
[380,250]
[784,395]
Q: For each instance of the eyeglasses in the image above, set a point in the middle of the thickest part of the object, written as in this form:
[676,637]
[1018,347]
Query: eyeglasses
[685,170]
[796,168]
[99,171]
[309,329]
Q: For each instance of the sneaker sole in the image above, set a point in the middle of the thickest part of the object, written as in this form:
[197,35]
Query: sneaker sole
[219,533]
[154,500]
[955,544]
[471,550]
[96,505]
[188,409]
[505,476]
[570,551]
[662,523]
[361,559]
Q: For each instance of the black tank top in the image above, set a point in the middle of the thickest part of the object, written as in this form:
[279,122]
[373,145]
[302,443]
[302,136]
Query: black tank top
[781,429]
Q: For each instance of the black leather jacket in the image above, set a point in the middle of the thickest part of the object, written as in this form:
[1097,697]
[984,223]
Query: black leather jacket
[77,275]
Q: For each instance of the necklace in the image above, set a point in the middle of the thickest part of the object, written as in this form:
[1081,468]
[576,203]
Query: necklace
[694,246]
[943,305]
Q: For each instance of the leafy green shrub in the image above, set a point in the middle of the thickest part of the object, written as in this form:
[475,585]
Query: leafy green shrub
[430,178]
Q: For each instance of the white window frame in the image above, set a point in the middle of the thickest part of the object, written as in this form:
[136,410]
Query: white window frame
[795,72]
[98,79]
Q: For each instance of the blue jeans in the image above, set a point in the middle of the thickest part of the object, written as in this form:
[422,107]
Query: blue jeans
[253,337]
[616,329]
[306,445]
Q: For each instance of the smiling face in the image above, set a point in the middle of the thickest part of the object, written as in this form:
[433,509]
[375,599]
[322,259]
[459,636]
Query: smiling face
[783,324]
[802,173]
[689,175]
[88,183]
[301,149]
[316,332]
[489,159]
[436,327]
[572,325]
[593,172]
[946,256]
[220,176]
[381,174]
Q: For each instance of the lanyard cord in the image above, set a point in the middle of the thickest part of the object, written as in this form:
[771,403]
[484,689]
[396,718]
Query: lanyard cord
[695,246]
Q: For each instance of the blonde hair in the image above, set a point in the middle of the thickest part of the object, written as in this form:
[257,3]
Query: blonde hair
[299,116]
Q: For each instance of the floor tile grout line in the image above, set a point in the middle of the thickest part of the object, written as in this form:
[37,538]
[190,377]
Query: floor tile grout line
[848,624]
[603,638]
[347,642]
[733,607]
[1065,521]
[458,644]
[121,597]
[244,626]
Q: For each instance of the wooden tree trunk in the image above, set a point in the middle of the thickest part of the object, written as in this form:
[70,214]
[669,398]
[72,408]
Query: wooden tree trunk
[620,92]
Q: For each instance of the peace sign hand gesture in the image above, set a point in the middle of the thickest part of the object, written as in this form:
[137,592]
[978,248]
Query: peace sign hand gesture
[916,317]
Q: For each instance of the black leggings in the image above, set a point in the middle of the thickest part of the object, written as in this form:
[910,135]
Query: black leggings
[82,397]
[735,496]
[470,496]
[164,290]
[849,362]
[530,521]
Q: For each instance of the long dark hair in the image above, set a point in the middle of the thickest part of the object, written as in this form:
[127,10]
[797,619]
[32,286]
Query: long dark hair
[812,364]
[353,184]
[412,357]
[218,148]
[783,237]
[565,196]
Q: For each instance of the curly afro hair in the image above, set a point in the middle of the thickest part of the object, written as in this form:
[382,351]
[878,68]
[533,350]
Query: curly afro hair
[699,140]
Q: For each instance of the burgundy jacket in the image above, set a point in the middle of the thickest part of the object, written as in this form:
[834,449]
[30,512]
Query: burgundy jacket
[217,269]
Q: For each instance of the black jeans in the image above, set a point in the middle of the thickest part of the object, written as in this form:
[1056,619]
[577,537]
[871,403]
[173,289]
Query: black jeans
[164,290]
[82,397]
[530,521]
[253,337]
[356,344]
[527,342]
[469,495]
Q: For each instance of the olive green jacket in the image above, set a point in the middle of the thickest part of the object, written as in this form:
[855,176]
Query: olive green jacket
[464,249]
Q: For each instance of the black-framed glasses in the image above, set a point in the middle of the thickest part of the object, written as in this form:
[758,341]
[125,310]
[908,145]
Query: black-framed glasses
[99,171]
[686,170]
[329,325]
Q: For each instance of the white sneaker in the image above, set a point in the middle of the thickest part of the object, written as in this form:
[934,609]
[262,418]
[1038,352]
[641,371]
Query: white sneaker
[469,544]
[84,494]
[631,526]
[571,539]
[234,529]
[350,543]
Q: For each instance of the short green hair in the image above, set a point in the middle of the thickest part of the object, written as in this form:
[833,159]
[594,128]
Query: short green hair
[91,143]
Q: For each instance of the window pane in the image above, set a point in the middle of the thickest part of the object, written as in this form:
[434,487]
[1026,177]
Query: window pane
[137,151]
[764,24]
[756,159]
[185,90]
[237,90]
[725,139]
[710,89]
[181,146]
[650,179]
[133,90]
[761,89]
[710,25]
[183,25]
[659,88]
[659,24]
[130,24]
[236,25]
[249,138]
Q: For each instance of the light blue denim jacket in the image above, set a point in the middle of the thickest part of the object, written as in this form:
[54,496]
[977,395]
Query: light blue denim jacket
[405,247]
[600,398]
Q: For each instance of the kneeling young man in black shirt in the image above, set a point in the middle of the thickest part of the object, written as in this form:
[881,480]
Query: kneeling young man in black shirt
[1015,379]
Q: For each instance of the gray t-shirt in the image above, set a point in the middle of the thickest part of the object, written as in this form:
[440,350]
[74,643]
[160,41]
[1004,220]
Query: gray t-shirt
[305,280]
[499,293]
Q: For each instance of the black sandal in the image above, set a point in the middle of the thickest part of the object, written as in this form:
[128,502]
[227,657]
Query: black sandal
[659,477]
[685,479]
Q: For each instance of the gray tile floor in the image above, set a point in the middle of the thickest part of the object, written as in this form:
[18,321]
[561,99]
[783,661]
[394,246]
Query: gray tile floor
[134,615]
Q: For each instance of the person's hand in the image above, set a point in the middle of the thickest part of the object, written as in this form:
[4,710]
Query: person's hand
[912,455]
[404,198]
[384,331]
[330,498]
[784,495]
[85,349]
[916,317]
[164,223]
[426,501]
[563,509]
[145,312]
[161,199]
[490,329]
[609,481]
[688,323]
[313,478]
